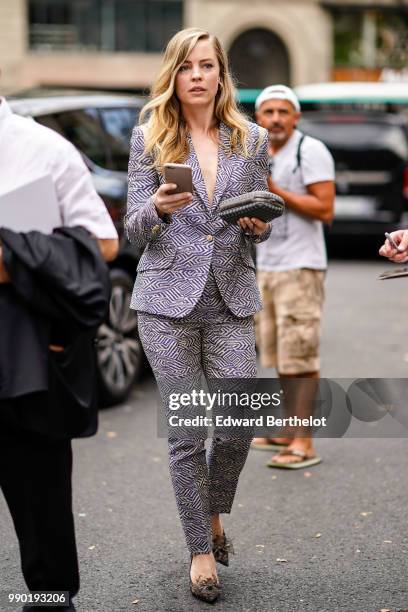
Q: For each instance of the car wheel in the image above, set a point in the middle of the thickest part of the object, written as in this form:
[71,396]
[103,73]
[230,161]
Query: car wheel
[119,350]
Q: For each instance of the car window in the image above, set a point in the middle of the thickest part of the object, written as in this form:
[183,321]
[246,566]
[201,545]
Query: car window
[371,143]
[355,134]
[51,122]
[118,124]
[83,128]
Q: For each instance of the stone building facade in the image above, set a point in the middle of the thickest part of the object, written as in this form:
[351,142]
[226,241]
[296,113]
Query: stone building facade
[288,41]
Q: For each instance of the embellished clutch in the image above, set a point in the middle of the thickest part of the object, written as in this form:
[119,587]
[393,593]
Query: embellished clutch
[263,205]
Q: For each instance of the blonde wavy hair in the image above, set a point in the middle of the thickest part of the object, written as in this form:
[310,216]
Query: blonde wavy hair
[166,130]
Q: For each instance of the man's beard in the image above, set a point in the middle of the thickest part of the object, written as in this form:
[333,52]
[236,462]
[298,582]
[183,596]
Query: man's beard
[277,136]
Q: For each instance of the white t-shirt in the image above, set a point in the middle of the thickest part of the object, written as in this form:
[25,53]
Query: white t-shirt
[297,241]
[29,151]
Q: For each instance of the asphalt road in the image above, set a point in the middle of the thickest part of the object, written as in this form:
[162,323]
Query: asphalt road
[330,539]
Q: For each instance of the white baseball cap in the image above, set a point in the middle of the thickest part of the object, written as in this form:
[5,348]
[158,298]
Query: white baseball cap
[278,92]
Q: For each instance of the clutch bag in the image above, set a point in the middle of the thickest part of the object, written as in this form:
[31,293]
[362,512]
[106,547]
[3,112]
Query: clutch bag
[263,205]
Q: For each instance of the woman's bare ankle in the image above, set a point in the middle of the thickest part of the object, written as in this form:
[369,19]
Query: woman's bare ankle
[216,525]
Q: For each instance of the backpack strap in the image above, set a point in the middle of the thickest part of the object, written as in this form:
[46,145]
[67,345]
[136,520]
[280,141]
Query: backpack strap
[298,154]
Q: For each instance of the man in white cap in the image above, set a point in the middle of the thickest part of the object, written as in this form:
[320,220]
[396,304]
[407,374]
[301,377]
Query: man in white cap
[292,263]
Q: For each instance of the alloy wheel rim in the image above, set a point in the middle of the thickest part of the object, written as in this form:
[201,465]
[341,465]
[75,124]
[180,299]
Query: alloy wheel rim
[118,348]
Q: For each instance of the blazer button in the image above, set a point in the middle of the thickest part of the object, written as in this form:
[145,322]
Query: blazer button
[209,238]
[155,229]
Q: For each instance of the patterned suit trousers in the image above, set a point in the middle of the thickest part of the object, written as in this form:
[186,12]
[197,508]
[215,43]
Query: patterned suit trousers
[212,341]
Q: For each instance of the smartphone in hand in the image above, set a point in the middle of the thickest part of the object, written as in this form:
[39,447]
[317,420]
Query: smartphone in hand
[393,243]
[181,175]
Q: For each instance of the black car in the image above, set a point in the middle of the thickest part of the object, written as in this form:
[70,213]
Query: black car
[370,151]
[100,127]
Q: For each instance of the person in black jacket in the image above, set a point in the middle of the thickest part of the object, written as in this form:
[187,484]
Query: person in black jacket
[54,293]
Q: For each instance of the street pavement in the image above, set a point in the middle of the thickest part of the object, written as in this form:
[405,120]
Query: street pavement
[329,539]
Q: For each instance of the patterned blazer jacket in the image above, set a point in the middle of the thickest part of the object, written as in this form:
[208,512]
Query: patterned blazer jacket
[175,264]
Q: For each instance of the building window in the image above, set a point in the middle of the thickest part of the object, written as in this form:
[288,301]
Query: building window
[370,39]
[103,25]
[146,25]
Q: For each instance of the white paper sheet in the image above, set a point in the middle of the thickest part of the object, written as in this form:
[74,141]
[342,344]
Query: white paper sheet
[33,206]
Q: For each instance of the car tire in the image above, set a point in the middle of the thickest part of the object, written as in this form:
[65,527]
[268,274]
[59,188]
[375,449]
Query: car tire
[118,348]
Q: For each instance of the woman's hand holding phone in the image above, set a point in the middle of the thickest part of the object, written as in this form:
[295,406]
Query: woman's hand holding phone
[166,203]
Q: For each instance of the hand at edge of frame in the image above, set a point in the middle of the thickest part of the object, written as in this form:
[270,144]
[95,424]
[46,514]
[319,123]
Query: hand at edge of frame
[401,239]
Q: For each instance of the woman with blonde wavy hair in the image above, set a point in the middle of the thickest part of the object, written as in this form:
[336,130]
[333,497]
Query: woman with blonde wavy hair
[195,290]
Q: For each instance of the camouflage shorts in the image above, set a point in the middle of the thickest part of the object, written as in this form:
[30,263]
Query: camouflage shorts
[288,327]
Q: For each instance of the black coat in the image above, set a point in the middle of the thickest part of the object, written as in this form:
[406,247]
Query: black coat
[59,294]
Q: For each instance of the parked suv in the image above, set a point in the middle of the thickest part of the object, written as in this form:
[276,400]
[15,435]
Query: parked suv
[100,127]
[365,126]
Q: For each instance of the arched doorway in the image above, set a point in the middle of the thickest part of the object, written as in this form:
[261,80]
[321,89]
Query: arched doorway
[259,58]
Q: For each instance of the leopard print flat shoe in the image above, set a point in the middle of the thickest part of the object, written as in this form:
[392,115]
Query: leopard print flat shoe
[221,547]
[205,588]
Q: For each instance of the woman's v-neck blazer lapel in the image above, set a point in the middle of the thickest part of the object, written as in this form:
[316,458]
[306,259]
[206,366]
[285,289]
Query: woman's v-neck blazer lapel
[198,182]
[224,169]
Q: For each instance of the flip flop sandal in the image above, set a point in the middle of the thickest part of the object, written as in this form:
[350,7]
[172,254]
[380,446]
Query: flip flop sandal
[295,465]
[272,446]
